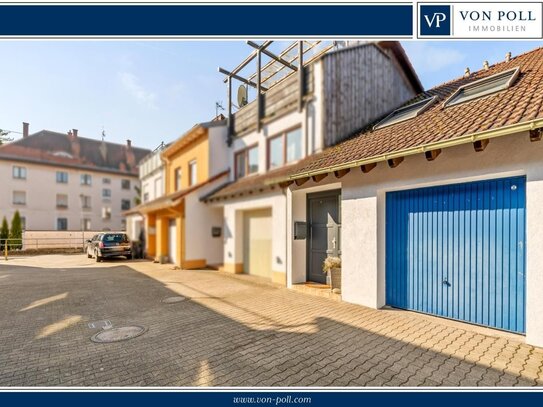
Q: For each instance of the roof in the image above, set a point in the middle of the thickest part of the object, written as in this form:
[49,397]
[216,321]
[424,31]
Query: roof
[196,131]
[173,199]
[250,184]
[517,108]
[52,148]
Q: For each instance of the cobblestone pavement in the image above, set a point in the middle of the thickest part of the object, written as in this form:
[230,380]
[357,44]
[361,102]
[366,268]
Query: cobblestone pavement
[232,331]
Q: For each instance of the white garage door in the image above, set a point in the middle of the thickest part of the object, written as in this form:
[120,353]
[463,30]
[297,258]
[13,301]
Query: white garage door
[257,256]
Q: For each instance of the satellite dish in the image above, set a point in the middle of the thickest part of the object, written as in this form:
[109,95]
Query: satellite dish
[242,96]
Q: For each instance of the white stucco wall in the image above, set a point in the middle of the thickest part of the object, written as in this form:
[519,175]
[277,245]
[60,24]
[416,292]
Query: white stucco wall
[233,227]
[41,188]
[219,153]
[199,219]
[363,215]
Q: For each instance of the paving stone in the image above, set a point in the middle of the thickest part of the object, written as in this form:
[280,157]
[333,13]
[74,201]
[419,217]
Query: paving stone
[232,331]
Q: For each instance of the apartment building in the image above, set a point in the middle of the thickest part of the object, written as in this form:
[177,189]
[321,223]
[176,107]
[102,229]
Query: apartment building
[152,180]
[61,181]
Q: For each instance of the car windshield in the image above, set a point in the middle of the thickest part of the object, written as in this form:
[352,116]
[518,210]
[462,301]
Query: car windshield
[115,238]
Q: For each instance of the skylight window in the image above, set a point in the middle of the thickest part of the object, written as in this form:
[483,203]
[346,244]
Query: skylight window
[405,113]
[483,87]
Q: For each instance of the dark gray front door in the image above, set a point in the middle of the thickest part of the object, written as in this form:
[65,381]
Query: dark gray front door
[323,221]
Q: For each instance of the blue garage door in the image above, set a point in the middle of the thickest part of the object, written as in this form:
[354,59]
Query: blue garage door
[457,251]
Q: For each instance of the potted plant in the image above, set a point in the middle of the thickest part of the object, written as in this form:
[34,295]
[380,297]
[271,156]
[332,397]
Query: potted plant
[332,267]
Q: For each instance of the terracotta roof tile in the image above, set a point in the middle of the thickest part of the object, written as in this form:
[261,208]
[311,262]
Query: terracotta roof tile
[52,148]
[522,102]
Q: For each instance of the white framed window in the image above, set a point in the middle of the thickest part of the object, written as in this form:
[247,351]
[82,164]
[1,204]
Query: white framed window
[106,181]
[483,87]
[19,197]
[125,204]
[405,113]
[106,193]
[177,180]
[106,213]
[86,179]
[62,223]
[62,177]
[193,173]
[85,202]
[85,224]
[19,172]
[62,201]
[125,184]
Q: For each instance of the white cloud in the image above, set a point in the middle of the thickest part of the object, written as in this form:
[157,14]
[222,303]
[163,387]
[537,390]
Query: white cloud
[132,84]
[427,57]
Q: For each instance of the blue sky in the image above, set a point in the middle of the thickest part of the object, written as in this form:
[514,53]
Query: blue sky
[154,91]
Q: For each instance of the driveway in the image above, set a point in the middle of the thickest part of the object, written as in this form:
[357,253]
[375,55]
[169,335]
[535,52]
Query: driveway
[230,331]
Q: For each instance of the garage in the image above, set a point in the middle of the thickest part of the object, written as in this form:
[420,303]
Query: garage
[458,251]
[257,247]
[172,241]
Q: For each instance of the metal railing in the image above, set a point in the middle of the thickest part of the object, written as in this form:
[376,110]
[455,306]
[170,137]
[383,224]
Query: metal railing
[42,244]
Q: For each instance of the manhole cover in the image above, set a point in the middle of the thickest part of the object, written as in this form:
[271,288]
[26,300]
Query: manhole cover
[118,334]
[173,300]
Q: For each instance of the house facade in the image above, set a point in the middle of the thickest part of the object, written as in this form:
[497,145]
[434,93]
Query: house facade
[305,112]
[60,181]
[152,180]
[180,229]
[439,204]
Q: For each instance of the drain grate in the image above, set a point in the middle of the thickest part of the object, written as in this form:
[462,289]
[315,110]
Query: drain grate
[173,300]
[123,333]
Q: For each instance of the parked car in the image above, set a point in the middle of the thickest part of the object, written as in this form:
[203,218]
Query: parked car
[109,244]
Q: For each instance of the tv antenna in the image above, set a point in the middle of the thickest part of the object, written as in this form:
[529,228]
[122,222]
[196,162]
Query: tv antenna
[103,133]
[218,106]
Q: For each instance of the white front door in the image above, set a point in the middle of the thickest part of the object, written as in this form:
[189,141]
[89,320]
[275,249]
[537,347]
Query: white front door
[172,241]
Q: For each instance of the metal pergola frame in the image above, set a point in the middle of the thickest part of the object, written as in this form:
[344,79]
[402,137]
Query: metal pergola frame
[257,53]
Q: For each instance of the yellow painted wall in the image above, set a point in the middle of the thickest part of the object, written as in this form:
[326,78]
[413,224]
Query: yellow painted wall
[197,150]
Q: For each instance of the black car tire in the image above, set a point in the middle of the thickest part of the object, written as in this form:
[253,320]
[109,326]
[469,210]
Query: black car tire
[98,258]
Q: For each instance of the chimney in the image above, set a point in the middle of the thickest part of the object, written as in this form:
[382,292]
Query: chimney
[74,141]
[508,57]
[486,67]
[130,157]
[467,73]
[25,129]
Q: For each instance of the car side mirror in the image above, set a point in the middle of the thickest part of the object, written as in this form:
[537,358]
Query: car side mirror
[89,241]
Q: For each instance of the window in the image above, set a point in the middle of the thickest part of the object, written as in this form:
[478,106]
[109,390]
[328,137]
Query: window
[125,204]
[23,222]
[62,177]
[85,224]
[405,113]
[62,201]
[193,175]
[285,148]
[85,202]
[19,197]
[145,196]
[19,172]
[106,213]
[106,193]
[123,224]
[62,224]
[106,180]
[483,87]
[86,179]
[294,145]
[125,184]
[158,187]
[177,179]
[246,162]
